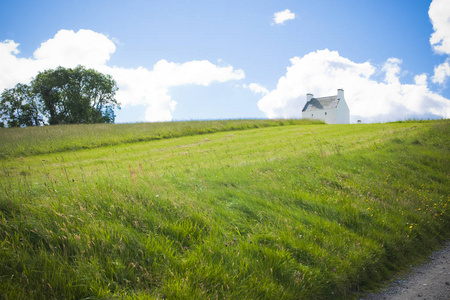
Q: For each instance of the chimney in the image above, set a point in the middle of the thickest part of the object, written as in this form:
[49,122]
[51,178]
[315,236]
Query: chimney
[340,94]
[309,97]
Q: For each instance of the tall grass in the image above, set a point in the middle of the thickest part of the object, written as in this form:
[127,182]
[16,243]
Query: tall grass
[290,212]
[50,139]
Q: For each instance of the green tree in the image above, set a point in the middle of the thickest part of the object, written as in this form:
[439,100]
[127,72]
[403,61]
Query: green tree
[60,96]
[19,106]
[77,95]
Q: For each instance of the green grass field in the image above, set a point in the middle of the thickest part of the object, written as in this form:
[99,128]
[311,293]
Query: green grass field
[281,210]
[52,139]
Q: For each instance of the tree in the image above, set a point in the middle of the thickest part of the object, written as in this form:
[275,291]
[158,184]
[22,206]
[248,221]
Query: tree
[76,95]
[19,106]
[60,96]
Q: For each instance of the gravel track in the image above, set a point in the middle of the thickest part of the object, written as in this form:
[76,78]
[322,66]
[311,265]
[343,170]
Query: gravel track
[430,281]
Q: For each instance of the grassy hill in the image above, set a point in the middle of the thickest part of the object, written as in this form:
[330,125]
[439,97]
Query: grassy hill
[52,139]
[255,211]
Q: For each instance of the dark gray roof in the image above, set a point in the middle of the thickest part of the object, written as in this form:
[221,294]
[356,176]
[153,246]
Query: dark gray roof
[321,103]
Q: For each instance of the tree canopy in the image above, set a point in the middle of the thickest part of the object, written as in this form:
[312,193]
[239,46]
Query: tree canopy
[60,96]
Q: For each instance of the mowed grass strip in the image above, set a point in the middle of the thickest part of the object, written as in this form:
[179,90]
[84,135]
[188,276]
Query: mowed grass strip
[290,212]
[17,142]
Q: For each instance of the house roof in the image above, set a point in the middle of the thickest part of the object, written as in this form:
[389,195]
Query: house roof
[321,103]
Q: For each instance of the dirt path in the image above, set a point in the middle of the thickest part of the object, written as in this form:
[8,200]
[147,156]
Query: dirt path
[430,281]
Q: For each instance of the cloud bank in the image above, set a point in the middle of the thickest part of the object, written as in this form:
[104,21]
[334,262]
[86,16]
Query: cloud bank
[140,86]
[283,16]
[323,72]
[439,13]
[441,72]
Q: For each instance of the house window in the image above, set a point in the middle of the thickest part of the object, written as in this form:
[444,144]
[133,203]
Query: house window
[325,113]
[312,115]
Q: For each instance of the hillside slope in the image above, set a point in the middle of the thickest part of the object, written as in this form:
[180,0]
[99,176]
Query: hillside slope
[290,212]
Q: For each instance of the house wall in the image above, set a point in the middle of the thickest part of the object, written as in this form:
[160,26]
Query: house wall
[343,112]
[327,115]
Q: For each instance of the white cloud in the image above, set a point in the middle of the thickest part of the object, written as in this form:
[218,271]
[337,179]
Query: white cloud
[14,69]
[256,88]
[194,72]
[283,16]
[142,86]
[8,47]
[439,13]
[441,72]
[392,68]
[323,72]
[151,87]
[70,48]
[420,79]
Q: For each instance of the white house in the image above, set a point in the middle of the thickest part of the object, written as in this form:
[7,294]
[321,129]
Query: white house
[332,109]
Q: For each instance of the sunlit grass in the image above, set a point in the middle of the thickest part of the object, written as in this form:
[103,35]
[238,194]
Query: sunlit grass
[290,212]
[50,139]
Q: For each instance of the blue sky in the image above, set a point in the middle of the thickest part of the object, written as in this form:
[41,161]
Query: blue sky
[182,60]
